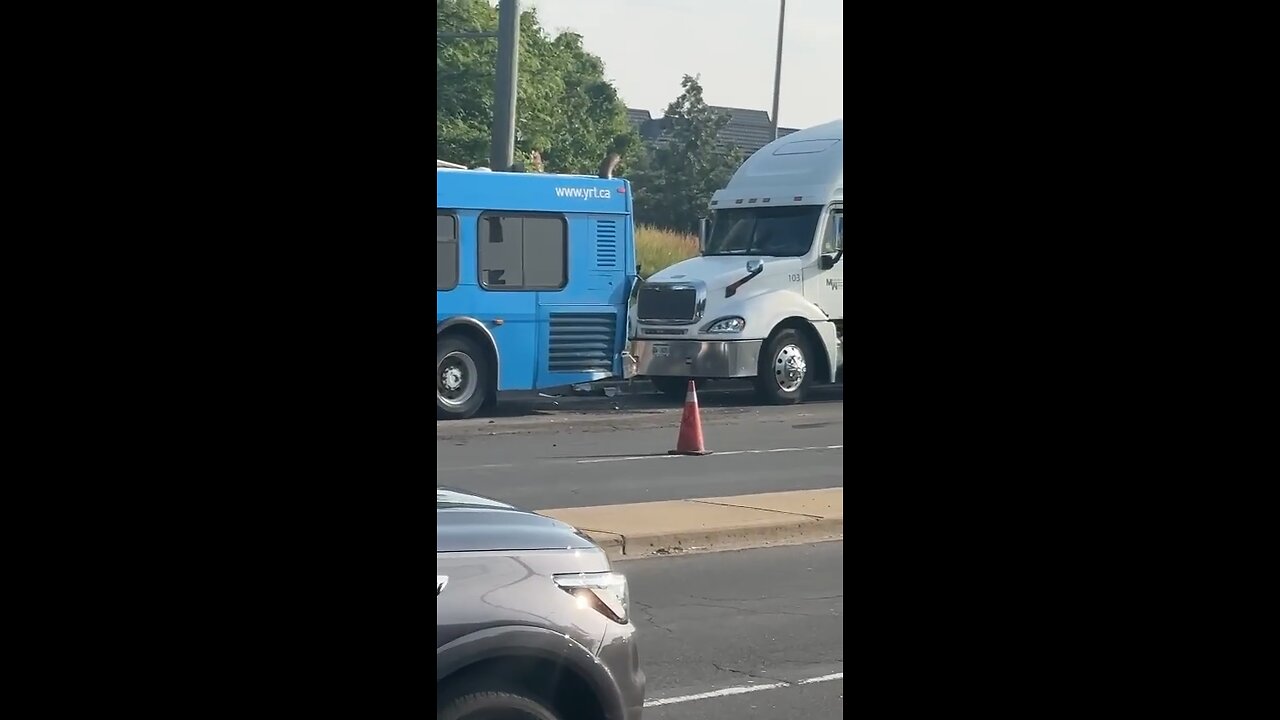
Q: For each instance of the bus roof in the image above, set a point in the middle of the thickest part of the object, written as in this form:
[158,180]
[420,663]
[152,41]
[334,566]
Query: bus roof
[531,192]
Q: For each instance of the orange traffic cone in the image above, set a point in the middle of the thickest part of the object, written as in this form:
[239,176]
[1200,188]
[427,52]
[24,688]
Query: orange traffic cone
[690,440]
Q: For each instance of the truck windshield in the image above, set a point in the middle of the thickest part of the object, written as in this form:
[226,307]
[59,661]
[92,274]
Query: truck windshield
[779,231]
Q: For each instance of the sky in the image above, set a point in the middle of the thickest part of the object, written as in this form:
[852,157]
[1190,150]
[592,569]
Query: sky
[648,45]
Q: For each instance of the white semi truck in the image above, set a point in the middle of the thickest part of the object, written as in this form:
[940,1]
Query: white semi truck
[765,299]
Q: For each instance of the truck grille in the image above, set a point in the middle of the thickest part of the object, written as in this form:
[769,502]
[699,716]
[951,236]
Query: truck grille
[582,342]
[663,302]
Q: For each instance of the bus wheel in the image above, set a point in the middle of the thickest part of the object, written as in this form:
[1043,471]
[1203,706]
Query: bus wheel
[462,379]
[674,387]
[786,370]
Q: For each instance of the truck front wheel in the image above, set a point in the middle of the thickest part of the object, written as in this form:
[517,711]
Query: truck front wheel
[786,368]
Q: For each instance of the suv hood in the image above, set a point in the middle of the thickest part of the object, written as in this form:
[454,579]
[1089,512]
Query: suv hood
[471,523]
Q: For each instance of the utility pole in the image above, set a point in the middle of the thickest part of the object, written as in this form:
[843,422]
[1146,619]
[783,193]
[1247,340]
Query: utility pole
[777,71]
[502,148]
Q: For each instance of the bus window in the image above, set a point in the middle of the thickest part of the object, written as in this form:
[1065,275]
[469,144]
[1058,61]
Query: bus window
[523,251]
[446,251]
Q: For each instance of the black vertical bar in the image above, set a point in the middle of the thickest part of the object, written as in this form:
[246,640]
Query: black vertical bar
[777,71]
[502,151]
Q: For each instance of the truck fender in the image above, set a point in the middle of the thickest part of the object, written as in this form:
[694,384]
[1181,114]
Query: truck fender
[785,305]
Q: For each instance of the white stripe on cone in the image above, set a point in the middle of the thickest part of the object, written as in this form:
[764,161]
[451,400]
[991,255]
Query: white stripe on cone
[691,395]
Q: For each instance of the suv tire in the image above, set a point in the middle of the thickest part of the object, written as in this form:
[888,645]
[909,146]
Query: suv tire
[496,705]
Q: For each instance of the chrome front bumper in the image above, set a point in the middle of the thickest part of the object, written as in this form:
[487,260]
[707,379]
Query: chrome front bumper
[697,358]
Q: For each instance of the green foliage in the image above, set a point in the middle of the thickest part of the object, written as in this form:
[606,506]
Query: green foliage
[673,185]
[657,248]
[570,116]
[565,110]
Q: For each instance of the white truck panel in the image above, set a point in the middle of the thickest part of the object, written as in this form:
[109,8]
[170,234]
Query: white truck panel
[748,274]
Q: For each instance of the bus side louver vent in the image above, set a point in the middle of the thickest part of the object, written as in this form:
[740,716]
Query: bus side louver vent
[582,342]
[606,244]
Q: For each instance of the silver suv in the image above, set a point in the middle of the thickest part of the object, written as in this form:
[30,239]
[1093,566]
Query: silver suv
[531,621]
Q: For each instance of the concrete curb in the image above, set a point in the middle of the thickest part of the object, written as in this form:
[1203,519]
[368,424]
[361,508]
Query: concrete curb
[705,524]
[640,546]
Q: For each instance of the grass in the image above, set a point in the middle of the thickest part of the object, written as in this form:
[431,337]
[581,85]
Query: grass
[657,248]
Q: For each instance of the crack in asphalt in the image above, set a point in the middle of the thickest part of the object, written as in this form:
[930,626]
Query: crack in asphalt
[648,611]
[766,597]
[750,611]
[748,674]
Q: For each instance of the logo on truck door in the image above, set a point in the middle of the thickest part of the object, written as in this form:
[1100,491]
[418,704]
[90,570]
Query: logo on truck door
[835,283]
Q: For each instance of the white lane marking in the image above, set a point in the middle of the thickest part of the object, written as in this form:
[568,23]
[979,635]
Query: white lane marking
[714,694]
[725,692]
[717,453]
[821,678]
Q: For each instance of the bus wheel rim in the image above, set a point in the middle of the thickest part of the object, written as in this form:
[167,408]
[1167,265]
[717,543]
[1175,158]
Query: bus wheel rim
[456,379]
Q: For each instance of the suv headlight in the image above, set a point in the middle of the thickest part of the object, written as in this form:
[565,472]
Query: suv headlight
[604,591]
[726,325]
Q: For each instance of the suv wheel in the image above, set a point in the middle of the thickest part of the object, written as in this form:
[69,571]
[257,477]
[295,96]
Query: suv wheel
[494,706]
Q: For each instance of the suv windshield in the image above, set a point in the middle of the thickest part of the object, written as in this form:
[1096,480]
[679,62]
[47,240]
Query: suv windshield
[780,231]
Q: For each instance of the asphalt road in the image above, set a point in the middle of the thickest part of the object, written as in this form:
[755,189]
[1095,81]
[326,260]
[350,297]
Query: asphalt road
[578,454]
[745,634]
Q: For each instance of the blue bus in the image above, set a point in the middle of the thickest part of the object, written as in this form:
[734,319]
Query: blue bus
[533,274]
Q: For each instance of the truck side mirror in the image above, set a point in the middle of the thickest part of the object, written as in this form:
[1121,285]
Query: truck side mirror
[829,261]
[702,235]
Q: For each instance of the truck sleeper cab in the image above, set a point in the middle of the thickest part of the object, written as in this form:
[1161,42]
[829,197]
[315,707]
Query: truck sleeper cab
[765,299]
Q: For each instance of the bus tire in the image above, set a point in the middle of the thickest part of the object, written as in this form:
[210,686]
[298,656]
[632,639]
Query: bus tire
[672,387]
[786,368]
[462,378]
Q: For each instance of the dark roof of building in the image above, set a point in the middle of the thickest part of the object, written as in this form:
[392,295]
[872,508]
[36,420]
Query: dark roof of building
[748,130]
[638,116]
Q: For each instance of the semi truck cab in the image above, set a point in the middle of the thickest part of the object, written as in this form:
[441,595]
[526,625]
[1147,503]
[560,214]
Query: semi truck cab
[765,299]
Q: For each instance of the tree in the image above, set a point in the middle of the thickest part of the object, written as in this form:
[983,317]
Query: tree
[566,112]
[674,184]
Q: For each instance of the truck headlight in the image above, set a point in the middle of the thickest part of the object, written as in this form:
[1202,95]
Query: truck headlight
[604,591]
[726,325]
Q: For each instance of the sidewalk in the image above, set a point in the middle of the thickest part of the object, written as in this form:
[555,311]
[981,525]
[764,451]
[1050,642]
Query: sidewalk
[715,523]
